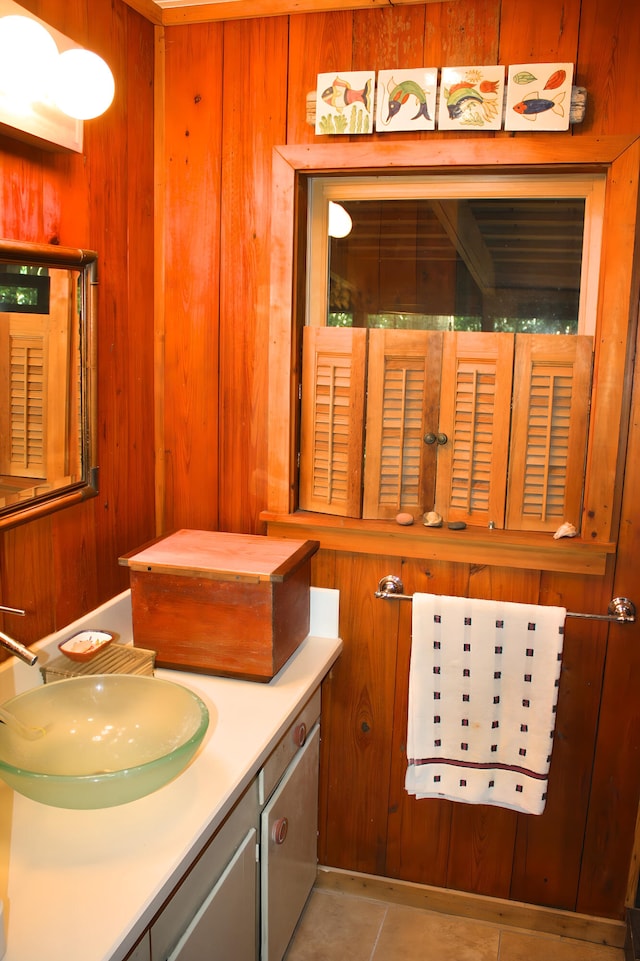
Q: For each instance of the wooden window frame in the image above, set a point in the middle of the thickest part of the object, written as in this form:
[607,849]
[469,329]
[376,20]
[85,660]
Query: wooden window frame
[616,156]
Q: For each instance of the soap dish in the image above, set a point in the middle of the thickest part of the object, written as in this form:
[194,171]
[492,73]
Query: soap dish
[114,658]
[85,645]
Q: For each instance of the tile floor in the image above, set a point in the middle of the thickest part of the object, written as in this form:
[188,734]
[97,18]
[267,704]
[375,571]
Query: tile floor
[344,927]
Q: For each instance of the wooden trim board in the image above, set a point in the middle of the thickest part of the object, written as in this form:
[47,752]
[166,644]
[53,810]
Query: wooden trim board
[516,914]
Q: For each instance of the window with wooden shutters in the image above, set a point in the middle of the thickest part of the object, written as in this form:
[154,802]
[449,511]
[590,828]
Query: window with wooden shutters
[511,432]
[549,433]
[332,420]
[475,413]
[403,388]
[22,453]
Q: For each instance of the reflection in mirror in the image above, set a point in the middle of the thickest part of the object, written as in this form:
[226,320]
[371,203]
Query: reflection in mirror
[47,379]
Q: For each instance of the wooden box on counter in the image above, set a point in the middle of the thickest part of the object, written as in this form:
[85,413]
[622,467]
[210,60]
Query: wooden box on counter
[231,604]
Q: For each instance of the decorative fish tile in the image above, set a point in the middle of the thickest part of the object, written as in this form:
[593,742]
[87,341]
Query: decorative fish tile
[344,102]
[471,98]
[406,99]
[539,96]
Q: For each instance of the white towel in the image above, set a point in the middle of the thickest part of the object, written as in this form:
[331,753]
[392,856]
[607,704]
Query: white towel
[483,689]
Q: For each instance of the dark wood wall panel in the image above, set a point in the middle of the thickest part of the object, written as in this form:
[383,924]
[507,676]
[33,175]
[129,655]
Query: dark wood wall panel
[253,102]
[62,565]
[191,201]
[556,859]
[233,91]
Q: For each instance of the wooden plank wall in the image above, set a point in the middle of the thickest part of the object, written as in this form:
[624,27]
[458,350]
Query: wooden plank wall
[60,566]
[233,91]
[252,77]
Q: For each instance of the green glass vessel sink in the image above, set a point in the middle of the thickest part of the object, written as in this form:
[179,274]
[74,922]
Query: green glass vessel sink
[98,741]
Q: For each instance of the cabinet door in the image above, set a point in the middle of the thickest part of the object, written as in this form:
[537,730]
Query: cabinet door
[142,950]
[289,841]
[223,928]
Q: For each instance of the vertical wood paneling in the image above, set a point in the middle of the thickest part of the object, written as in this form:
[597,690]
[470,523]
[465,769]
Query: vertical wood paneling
[318,43]
[386,38]
[357,728]
[547,865]
[191,212]
[252,79]
[63,565]
[125,326]
[462,34]
[608,69]
[606,65]
[254,115]
[551,34]
[375,826]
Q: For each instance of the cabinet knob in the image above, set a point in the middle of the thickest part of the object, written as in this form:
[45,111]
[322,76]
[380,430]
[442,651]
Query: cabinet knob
[440,439]
[279,830]
[300,734]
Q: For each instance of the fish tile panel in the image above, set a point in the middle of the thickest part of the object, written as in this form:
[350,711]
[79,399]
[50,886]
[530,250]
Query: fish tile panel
[539,96]
[471,98]
[406,99]
[344,102]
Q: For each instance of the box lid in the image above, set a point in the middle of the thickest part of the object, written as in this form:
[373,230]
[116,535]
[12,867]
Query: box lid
[221,556]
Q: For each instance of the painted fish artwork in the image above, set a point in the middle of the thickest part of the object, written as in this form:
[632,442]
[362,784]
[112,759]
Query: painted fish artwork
[406,99]
[471,98]
[539,96]
[344,102]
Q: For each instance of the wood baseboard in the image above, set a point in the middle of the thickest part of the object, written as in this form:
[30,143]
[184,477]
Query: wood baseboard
[516,914]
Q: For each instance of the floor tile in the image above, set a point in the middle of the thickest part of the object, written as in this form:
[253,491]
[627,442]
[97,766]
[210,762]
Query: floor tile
[414,935]
[520,946]
[335,928]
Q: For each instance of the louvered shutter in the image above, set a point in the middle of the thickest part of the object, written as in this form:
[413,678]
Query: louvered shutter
[549,433]
[24,446]
[333,391]
[475,401]
[402,405]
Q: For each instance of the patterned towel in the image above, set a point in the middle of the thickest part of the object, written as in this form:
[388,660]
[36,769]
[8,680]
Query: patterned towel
[483,689]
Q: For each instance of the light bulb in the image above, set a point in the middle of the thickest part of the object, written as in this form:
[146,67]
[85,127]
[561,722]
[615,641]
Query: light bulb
[28,54]
[340,222]
[83,85]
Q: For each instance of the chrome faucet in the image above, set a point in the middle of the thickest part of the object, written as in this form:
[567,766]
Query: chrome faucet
[13,646]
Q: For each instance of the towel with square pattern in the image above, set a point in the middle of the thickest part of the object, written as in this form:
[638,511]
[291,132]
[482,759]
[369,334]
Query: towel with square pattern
[483,690]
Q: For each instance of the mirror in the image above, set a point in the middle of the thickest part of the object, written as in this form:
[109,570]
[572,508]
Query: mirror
[47,379]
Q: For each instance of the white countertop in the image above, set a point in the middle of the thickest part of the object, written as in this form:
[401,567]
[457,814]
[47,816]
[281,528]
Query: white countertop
[83,885]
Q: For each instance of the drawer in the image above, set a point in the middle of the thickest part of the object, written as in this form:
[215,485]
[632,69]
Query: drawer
[192,891]
[288,747]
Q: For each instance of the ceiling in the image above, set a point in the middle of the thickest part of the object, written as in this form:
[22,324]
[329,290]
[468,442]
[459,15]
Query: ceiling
[167,12]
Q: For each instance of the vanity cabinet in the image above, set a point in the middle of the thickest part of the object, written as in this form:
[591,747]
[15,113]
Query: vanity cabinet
[142,950]
[212,914]
[243,896]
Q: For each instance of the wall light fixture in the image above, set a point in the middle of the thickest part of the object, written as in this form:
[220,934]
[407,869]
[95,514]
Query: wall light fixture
[48,84]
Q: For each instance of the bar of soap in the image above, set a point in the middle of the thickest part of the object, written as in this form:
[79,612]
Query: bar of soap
[456,525]
[405,520]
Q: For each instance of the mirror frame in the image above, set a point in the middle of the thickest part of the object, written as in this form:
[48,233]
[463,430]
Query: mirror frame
[85,262]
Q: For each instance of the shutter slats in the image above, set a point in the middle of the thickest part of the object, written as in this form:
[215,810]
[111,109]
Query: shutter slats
[550,416]
[403,389]
[475,414]
[27,389]
[333,364]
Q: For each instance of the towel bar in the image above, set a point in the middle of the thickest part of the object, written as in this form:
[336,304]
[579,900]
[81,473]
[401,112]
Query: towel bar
[621,610]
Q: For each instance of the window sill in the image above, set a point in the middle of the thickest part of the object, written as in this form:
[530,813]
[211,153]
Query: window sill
[474,545]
